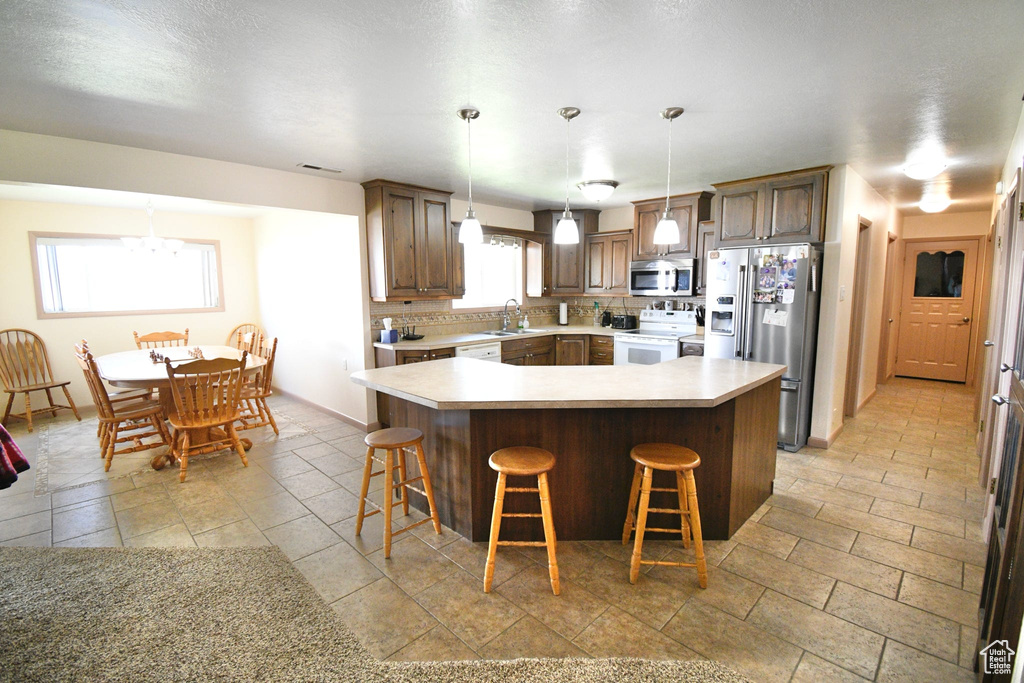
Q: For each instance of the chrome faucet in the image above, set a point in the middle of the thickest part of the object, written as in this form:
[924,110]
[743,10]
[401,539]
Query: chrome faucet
[505,319]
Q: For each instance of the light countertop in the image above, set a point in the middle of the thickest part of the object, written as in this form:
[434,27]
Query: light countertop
[468,383]
[431,342]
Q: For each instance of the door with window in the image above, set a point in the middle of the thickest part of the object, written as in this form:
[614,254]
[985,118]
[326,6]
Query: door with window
[936,310]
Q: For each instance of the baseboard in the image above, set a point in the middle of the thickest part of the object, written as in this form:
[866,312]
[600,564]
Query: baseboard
[333,413]
[867,398]
[817,442]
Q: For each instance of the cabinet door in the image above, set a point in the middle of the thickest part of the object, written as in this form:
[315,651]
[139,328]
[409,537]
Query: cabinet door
[793,207]
[685,216]
[544,357]
[705,243]
[406,357]
[517,360]
[597,260]
[617,264]
[567,266]
[458,266]
[646,217]
[447,352]
[435,274]
[401,241]
[739,214]
[571,349]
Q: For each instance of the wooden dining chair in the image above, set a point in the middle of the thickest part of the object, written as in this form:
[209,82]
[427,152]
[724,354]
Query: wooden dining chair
[24,368]
[116,395]
[132,419]
[255,411]
[206,397]
[160,340]
[247,337]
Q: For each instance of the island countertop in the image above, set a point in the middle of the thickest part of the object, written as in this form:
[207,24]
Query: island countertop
[471,384]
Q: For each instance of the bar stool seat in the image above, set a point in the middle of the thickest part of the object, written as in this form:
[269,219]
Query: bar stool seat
[665,457]
[522,461]
[395,440]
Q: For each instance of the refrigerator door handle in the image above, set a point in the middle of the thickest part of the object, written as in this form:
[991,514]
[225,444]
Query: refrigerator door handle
[741,322]
[814,272]
[748,319]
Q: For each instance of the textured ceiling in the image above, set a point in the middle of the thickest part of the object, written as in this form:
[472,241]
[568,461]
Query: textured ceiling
[372,87]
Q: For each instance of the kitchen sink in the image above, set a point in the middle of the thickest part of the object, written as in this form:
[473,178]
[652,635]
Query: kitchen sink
[510,333]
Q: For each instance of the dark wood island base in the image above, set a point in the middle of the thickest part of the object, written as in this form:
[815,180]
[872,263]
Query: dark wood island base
[736,441]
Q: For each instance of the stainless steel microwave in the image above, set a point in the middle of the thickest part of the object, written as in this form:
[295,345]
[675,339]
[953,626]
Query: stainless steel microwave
[663,277]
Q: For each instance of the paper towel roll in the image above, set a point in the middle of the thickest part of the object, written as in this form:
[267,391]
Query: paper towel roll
[563,313]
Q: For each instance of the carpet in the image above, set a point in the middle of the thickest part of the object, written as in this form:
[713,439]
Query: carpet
[185,614]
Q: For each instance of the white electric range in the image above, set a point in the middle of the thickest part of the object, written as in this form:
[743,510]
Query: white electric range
[656,339]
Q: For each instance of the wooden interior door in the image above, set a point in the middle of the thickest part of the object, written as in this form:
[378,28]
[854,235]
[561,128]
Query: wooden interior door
[936,309]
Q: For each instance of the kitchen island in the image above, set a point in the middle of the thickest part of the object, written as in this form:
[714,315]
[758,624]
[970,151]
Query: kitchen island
[589,417]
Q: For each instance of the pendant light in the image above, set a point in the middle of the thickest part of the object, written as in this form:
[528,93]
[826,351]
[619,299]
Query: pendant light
[667,230]
[566,231]
[151,241]
[470,231]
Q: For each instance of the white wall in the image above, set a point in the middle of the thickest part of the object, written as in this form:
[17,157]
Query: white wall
[618,218]
[313,296]
[849,199]
[494,216]
[114,333]
[947,224]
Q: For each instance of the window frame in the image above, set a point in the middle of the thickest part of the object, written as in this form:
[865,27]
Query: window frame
[522,274]
[42,314]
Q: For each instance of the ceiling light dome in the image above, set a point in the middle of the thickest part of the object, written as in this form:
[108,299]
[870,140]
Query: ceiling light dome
[596,190]
[922,170]
[934,203]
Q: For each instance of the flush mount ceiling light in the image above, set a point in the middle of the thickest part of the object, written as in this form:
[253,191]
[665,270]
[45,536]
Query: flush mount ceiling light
[566,231]
[667,230]
[596,190]
[934,203]
[922,170]
[470,231]
[151,241]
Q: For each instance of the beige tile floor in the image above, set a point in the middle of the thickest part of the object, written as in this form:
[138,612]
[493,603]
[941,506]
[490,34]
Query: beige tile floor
[865,563]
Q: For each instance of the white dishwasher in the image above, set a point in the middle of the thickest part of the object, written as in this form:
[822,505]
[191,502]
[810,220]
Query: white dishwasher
[490,351]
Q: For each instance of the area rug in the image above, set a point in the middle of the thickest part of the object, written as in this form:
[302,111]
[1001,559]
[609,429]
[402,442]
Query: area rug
[245,614]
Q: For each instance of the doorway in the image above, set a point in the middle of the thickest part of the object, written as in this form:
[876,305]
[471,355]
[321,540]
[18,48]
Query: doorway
[936,309]
[885,359]
[860,284]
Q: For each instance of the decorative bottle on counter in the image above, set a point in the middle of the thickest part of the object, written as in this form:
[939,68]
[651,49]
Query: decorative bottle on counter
[526,322]
[597,315]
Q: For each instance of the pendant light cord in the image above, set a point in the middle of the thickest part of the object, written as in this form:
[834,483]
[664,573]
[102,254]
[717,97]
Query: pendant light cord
[469,156]
[668,179]
[567,164]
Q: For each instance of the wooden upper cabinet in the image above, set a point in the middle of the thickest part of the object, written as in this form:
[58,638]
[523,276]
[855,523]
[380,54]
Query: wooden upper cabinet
[564,264]
[410,243]
[777,209]
[705,243]
[607,263]
[688,210]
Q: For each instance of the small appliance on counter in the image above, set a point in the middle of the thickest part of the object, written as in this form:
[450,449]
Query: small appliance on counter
[623,322]
[663,277]
[606,319]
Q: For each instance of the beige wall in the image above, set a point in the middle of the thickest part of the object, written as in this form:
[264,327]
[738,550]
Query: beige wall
[114,333]
[849,199]
[494,216]
[947,225]
[618,218]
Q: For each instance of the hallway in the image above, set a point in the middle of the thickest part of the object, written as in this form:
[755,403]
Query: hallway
[866,563]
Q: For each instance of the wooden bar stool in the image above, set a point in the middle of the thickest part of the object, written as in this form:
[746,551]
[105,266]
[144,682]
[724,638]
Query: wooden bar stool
[395,441]
[670,458]
[522,461]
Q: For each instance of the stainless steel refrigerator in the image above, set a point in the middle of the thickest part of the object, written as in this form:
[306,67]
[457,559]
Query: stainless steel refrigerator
[762,305]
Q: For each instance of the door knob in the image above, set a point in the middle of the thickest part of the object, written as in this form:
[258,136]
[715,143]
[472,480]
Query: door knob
[989,342]
[1000,400]
[1004,367]
[967,320]
[890,320]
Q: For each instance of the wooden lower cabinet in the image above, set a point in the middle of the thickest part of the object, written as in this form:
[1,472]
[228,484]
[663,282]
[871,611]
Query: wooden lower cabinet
[571,349]
[602,349]
[385,358]
[531,351]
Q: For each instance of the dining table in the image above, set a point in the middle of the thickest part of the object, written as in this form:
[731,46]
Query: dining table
[137,369]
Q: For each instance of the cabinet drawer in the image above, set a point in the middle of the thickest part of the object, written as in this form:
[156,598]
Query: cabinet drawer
[602,342]
[513,346]
[599,356]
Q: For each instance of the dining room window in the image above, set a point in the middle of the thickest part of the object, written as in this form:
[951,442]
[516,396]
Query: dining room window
[494,274]
[81,275]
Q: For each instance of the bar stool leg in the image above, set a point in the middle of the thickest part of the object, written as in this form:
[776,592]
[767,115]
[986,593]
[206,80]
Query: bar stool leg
[698,541]
[641,524]
[634,491]
[684,526]
[389,494]
[549,531]
[492,544]
[428,489]
[367,468]
[402,477]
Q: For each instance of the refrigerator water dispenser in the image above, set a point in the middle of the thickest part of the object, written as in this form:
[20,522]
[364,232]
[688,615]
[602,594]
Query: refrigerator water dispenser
[722,317]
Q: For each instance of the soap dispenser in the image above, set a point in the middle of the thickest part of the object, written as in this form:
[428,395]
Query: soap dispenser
[526,322]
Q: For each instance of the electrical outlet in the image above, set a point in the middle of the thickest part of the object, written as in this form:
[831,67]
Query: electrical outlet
[842,292]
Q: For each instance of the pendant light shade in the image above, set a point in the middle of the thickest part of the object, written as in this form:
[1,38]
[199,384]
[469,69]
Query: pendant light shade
[667,230]
[566,231]
[470,231]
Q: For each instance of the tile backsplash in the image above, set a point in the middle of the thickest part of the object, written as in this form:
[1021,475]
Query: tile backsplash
[438,317]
